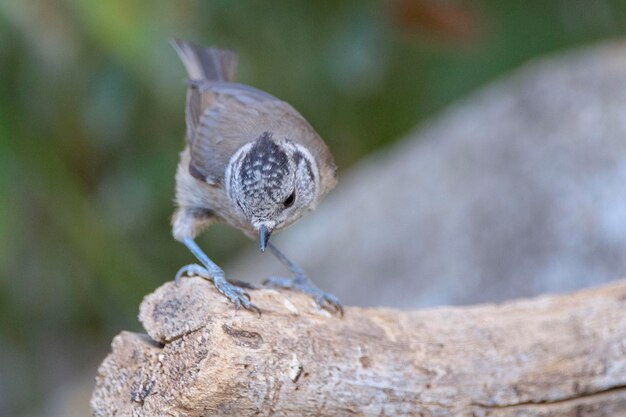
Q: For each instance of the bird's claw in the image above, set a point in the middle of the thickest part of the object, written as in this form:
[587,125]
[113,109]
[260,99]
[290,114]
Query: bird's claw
[238,296]
[191,270]
[305,285]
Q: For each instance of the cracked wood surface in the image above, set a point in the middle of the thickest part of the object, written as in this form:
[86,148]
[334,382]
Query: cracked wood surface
[559,355]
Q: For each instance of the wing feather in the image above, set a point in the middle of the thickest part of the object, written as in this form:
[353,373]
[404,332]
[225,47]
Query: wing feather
[225,116]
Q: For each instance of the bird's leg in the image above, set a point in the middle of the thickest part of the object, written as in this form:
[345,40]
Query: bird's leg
[210,271]
[301,282]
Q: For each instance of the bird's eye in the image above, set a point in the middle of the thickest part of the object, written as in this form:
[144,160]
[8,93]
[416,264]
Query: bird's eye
[289,200]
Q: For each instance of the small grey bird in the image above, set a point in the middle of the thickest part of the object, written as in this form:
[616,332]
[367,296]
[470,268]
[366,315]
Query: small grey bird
[251,161]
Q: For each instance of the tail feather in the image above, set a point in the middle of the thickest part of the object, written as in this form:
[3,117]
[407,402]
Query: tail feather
[210,64]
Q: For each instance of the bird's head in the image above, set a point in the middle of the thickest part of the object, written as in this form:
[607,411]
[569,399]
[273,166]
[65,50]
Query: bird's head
[272,183]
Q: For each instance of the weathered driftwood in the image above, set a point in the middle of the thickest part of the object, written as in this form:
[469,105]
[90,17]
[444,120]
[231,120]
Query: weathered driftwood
[550,356]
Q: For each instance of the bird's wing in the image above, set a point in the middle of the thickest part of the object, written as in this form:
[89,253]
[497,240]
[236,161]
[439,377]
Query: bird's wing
[223,116]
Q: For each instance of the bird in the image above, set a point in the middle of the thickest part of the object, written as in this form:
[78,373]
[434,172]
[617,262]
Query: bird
[250,161]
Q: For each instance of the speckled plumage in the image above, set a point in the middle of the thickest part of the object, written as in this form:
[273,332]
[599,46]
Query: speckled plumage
[222,118]
[251,160]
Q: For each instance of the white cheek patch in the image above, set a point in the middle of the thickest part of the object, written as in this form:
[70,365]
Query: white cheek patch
[307,168]
[233,165]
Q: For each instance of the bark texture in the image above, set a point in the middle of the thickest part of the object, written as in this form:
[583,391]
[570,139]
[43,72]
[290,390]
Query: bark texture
[549,356]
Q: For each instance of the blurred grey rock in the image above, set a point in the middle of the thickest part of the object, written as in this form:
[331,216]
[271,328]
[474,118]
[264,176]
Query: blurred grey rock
[520,189]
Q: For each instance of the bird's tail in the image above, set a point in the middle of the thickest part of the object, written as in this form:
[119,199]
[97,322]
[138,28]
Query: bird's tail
[206,64]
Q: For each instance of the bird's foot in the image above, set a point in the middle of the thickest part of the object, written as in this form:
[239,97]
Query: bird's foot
[234,293]
[305,285]
[193,270]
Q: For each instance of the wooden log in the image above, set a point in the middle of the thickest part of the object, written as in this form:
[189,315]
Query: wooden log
[559,355]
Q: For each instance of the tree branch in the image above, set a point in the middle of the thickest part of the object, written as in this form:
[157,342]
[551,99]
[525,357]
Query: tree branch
[558,356]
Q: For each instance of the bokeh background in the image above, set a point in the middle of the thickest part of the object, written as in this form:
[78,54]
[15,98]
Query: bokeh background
[91,123]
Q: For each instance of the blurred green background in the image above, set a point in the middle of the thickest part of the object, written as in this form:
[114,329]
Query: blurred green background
[91,123]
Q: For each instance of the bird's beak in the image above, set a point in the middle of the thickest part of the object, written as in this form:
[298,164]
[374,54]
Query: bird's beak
[264,237]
